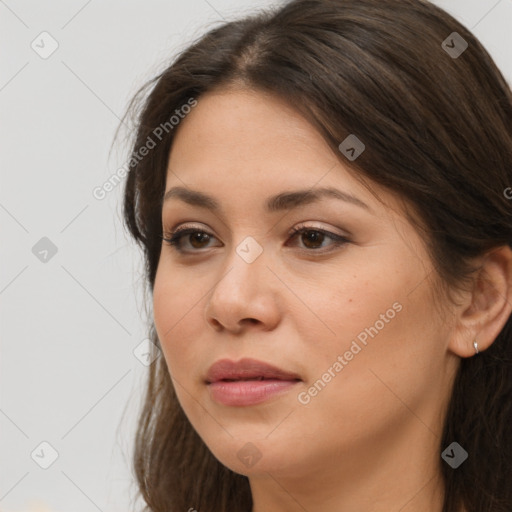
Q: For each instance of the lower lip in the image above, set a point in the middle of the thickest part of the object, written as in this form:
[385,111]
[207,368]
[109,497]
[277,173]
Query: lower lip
[248,392]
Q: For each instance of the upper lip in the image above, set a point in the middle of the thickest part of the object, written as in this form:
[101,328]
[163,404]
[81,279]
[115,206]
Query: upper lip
[246,369]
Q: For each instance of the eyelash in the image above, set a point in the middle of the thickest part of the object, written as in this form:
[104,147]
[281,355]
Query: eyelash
[173,238]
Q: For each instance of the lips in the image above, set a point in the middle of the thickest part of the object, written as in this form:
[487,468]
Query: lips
[246,370]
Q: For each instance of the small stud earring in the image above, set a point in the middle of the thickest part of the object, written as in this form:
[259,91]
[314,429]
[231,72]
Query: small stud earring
[475,344]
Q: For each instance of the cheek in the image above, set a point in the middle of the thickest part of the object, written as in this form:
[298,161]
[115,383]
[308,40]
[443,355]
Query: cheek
[178,319]
[362,303]
[382,324]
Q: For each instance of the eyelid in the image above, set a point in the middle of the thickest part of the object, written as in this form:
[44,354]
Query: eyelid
[186,225]
[328,231]
[182,226]
[183,230]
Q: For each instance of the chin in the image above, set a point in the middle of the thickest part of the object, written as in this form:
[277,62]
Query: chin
[256,456]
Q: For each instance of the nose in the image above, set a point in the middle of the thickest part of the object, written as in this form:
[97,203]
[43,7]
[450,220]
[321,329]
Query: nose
[246,294]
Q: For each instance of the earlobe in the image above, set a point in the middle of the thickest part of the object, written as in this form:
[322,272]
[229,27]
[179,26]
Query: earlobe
[482,317]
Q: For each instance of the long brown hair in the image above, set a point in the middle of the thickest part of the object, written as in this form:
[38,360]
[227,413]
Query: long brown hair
[438,133]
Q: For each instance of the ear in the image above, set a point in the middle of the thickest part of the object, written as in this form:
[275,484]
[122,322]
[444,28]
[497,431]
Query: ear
[486,309]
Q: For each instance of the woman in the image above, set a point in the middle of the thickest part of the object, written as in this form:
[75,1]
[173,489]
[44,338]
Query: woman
[322,206]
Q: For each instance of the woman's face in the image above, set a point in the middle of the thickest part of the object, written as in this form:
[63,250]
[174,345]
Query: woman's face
[352,324]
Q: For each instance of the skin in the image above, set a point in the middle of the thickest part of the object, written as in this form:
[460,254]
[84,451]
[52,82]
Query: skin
[369,440]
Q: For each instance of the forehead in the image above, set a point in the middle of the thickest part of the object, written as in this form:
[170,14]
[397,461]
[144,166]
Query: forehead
[245,124]
[249,141]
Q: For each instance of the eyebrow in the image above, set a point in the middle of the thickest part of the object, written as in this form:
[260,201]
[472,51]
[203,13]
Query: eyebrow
[279,202]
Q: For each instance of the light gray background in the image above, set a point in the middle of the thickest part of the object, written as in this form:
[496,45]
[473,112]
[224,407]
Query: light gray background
[69,326]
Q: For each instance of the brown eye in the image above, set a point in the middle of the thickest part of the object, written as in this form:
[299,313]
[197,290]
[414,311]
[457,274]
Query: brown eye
[312,238]
[199,238]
